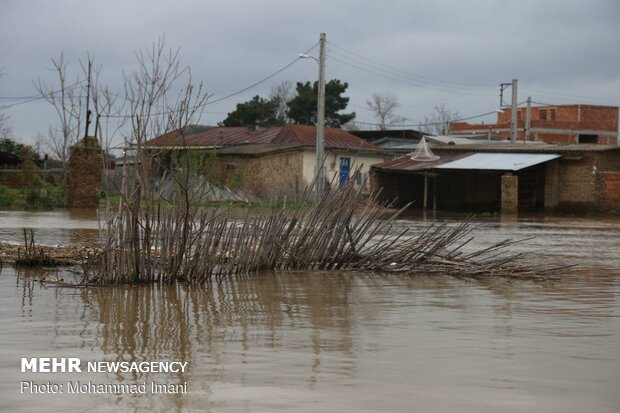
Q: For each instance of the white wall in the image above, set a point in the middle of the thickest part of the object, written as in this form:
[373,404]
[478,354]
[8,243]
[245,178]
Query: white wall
[332,163]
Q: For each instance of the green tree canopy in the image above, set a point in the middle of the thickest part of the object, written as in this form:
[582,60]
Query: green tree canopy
[11,146]
[303,107]
[255,112]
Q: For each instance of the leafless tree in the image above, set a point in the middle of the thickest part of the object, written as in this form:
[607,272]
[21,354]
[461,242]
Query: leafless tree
[281,94]
[107,107]
[5,129]
[66,98]
[439,121]
[384,106]
[133,231]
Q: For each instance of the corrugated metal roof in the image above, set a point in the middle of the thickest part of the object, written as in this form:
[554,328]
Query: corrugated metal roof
[406,164]
[259,149]
[455,140]
[334,138]
[288,134]
[498,161]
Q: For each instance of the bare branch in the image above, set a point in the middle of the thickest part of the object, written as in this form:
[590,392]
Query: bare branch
[384,106]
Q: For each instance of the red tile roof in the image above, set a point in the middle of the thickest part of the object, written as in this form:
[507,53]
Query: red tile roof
[289,134]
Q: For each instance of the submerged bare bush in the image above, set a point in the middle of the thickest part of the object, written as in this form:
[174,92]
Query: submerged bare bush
[182,241]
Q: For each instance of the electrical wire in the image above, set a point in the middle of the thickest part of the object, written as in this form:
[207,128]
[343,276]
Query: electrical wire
[238,92]
[406,73]
[567,95]
[403,80]
[33,98]
[431,123]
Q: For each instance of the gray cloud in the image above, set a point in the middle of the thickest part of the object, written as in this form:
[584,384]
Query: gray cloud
[562,51]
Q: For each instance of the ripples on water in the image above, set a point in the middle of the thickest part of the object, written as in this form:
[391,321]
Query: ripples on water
[341,341]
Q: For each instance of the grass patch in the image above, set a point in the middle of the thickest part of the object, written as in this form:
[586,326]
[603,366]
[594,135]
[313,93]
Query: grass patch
[44,198]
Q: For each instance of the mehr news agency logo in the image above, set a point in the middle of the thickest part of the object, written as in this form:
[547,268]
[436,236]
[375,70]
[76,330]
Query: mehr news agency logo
[75,365]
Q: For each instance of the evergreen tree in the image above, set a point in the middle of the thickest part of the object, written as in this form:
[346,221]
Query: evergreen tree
[256,112]
[303,107]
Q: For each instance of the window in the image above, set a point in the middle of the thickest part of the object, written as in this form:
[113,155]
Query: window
[542,114]
[546,114]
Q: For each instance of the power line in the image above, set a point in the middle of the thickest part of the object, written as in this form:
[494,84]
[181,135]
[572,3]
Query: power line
[431,123]
[403,80]
[29,99]
[567,95]
[410,74]
[238,92]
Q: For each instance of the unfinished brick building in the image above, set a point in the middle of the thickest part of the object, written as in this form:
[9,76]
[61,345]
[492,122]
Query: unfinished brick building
[564,124]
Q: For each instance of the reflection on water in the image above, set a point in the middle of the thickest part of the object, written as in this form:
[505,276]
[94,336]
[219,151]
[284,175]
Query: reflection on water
[340,341]
[65,226]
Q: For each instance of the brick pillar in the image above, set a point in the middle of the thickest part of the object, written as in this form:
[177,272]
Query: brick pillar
[85,170]
[510,193]
[552,185]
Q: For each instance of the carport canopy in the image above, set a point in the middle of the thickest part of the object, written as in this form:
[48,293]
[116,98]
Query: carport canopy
[498,161]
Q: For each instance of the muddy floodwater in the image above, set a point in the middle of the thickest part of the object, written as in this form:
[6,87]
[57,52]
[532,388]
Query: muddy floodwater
[333,341]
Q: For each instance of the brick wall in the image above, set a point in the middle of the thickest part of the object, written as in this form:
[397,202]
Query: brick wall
[577,184]
[510,193]
[552,185]
[85,171]
[587,184]
[609,192]
[269,176]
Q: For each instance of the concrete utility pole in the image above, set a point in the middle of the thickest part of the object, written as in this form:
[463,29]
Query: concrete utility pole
[528,119]
[513,113]
[320,123]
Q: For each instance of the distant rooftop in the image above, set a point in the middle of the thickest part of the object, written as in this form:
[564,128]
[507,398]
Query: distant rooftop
[288,134]
[525,148]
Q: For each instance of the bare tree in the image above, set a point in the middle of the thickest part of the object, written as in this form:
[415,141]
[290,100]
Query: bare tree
[131,233]
[384,106]
[280,95]
[66,98]
[439,121]
[108,107]
[5,129]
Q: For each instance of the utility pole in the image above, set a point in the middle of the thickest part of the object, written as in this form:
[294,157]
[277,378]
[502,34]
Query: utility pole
[528,119]
[88,99]
[320,124]
[513,113]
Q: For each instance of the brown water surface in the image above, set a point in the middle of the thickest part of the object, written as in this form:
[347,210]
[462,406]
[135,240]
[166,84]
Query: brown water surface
[335,341]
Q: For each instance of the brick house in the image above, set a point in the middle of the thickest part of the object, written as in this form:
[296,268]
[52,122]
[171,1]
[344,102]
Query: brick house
[564,178]
[277,161]
[565,124]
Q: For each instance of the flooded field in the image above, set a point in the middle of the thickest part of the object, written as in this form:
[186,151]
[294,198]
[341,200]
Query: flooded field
[333,341]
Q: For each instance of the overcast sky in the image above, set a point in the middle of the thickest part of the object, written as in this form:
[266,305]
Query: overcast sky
[431,52]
